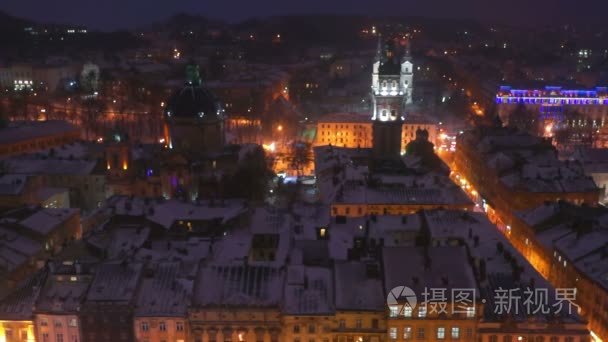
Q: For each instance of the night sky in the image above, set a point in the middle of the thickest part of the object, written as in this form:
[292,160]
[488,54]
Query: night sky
[115,14]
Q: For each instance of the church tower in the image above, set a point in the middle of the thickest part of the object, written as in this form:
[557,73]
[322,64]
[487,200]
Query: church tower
[391,91]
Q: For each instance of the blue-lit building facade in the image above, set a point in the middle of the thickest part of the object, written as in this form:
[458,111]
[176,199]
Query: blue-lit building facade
[551,103]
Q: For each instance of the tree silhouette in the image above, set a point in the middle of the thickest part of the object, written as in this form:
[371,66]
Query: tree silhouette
[576,130]
[524,120]
[300,156]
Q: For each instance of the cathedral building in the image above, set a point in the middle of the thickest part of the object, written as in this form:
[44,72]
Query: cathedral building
[392,81]
[391,92]
[194,118]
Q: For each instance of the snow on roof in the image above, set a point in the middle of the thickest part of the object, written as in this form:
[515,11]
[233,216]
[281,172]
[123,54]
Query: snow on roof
[12,184]
[449,225]
[341,180]
[309,217]
[239,286]
[194,248]
[591,157]
[25,130]
[16,249]
[518,312]
[447,267]
[61,294]
[167,212]
[577,234]
[308,290]
[163,293]
[115,282]
[46,192]
[355,289]
[51,166]
[120,242]
[19,305]
[539,214]
[45,220]
[75,150]
[526,163]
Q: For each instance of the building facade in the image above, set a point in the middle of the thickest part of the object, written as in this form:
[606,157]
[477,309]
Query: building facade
[28,137]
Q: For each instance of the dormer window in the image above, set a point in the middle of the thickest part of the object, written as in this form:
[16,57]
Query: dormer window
[201,114]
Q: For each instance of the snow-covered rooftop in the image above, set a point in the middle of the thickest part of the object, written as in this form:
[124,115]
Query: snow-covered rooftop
[25,130]
[308,290]
[163,292]
[526,163]
[434,267]
[356,289]
[45,220]
[115,282]
[239,285]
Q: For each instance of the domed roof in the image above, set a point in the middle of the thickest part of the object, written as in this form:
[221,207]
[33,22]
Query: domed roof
[193,100]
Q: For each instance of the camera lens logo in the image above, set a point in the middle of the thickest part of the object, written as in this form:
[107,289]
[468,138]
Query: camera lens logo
[402,293]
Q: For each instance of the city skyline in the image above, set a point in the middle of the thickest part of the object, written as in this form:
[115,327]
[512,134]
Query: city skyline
[133,14]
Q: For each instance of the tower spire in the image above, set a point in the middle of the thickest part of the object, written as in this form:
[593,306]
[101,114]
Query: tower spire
[408,53]
[379,48]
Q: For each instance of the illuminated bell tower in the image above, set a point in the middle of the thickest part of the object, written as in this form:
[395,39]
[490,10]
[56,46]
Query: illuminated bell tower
[391,92]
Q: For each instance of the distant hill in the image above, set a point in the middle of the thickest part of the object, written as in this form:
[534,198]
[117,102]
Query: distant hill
[11,23]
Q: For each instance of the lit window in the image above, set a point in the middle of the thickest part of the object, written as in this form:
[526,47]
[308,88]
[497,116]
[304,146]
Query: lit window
[392,333]
[471,312]
[455,333]
[394,311]
[407,311]
[73,322]
[441,333]
[422,311]
[407,333]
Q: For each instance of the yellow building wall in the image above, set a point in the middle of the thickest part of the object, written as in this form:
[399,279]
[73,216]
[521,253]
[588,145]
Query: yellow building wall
[359,134]
[154,332]
[22,331]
